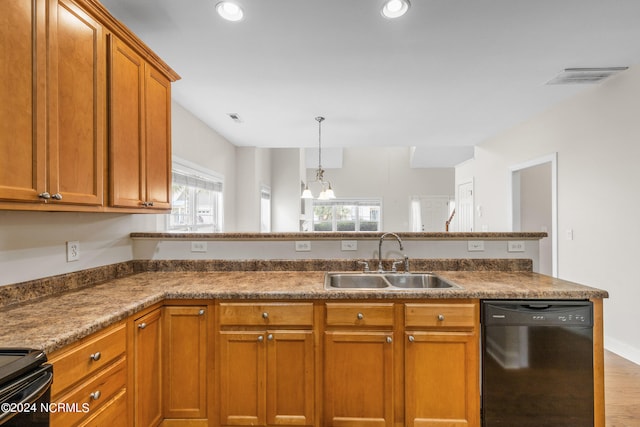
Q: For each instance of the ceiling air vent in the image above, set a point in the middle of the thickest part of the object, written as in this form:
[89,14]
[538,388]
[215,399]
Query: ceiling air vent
[235,117]
[584,75]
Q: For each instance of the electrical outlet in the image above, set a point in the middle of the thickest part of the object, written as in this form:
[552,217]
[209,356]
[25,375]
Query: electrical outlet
[515,246]
[73,251]
[198,246]
[349,245]
[303,246]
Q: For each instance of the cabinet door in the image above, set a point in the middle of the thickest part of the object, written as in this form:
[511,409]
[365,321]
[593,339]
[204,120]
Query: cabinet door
[242,362]
[290,378]
[358,384]
[442,379]
[148,369]
[158,140]
[185,362]
[76,102]
[126,139]
[22,112]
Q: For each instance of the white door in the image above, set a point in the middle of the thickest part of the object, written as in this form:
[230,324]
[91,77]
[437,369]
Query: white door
[464,210]
[430,213]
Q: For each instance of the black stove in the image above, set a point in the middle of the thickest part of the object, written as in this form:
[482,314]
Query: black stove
[25,388]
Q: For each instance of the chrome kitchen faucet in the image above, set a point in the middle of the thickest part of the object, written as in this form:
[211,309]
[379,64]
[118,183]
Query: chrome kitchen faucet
[406,258]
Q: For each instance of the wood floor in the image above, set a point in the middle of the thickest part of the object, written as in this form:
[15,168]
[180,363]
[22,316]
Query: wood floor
[622,391]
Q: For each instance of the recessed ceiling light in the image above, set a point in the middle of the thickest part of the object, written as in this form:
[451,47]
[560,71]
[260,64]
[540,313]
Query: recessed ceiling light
[395,8]
[229,10]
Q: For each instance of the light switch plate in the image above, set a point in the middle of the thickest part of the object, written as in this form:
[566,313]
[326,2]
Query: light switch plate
[475,245]
[349,245]
[303,246]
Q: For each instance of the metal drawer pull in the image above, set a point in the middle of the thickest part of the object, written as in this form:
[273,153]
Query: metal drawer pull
[360,316]
[411,338]
[265,315]
[441,317]
[142,325]
[95,356]
[389,340]
[95,395]
[201,312]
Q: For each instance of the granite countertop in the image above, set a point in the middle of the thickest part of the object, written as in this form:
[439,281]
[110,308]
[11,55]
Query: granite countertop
[52,322]
[358,235]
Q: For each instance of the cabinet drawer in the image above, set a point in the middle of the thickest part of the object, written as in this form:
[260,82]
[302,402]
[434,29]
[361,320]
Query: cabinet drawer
[265,314]
[450,316]
[112,413]
[89,396]
[354,314]
[97,351]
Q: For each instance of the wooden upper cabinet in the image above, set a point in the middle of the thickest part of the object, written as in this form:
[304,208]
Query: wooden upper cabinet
[126,145]
[158,139]
[55,116]
[140,128]
[22,119]
[53,100]
[77,89]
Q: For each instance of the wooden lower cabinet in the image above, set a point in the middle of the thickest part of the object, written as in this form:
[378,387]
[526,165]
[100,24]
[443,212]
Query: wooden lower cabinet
[266,378]
[147,369]
[266,364]
[185,348]
[91,374]
[442,365]
[441,381]
[358,378]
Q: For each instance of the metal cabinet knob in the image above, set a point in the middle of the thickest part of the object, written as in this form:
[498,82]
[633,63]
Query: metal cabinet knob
[142,325]
[201,312]
[441,317]
[270,337]
[412,338]
[389,340]
[56,196]
[44,195]
[360,316]
[95,356]
[95,395]
[265,315]
[260,338]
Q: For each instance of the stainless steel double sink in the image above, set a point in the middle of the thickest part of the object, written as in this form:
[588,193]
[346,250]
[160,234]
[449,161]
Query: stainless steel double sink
[390,281]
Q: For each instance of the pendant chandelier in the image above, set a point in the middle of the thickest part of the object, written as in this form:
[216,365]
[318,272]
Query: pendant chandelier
[326,192]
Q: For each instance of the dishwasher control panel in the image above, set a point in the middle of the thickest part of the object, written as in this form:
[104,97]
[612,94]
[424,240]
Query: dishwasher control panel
[533,312]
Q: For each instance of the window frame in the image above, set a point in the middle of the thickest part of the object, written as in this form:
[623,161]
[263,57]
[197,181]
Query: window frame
[335,203]
[198,174]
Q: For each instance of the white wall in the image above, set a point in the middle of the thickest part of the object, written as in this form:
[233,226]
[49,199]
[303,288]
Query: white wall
[196,142]
[253,169]
[385,173]
[597,137]
[32,244]
[285,190]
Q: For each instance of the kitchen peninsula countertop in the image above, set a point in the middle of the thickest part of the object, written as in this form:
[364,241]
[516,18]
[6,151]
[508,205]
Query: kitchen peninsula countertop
[52,322]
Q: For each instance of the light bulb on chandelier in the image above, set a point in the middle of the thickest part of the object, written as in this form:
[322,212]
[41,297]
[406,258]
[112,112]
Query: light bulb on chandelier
[326,191]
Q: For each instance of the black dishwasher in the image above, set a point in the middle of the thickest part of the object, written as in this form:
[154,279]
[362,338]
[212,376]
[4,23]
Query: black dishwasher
[537,363]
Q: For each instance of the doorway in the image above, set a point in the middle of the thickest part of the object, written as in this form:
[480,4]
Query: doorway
[535,207]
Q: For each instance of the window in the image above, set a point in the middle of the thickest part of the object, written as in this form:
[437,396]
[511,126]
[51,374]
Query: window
[265,209]
[196,201]
[347,215]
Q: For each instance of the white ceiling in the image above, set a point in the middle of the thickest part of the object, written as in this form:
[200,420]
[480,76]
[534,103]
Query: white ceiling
[450,73]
